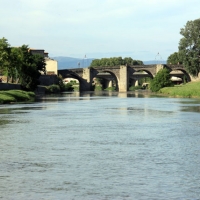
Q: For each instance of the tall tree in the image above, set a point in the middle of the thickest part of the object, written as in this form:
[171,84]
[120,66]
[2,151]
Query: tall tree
[189,46]
[174,59]
[4,56]
[30,68]
[15,63]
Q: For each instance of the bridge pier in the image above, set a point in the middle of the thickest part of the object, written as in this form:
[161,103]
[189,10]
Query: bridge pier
[86,83]
[136,82]
[123,79]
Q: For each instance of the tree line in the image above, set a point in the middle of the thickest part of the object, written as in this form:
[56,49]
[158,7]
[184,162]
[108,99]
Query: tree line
[189,48]
[19,65]
[114,61]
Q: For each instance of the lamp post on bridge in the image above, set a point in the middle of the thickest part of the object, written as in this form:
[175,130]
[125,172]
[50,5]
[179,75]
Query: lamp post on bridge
[158,56]
[84,59]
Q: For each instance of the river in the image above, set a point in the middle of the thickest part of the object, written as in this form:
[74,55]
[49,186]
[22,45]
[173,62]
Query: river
[100,146]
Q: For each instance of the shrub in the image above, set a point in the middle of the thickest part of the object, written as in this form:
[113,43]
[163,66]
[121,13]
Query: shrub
[68,87]
[53,89]
[110,89]
[133,88]
[98,88]
[162,79]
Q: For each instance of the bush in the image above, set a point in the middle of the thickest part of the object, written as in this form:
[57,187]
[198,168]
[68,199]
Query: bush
[133,88]
[68,87]
[162,79]
[110,89]
[53,89]
[98,88]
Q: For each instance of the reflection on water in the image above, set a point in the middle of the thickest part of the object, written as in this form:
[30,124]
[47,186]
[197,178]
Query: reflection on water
[66,96]
[191,108]
[100,145]
[3,122]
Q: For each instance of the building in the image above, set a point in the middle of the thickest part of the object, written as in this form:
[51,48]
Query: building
[51,64]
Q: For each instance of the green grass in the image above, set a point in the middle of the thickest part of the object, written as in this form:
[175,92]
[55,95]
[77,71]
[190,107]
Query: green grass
[10,96]
[191,89]
[133,88]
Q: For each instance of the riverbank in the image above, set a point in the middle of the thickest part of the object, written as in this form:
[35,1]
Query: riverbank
[12,96]
[188,90]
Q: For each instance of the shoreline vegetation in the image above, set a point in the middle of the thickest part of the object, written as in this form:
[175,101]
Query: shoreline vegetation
[16,96]
[188,90]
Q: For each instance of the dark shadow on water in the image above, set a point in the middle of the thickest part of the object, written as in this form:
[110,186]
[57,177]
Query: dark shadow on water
[20,110]
[191,109]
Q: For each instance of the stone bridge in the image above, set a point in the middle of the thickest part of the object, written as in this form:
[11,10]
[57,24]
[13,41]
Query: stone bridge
[122,75]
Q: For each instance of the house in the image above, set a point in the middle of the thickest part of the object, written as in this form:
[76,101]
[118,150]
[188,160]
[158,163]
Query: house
[51,64]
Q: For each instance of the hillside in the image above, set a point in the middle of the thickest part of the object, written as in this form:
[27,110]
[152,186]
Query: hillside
[69,62]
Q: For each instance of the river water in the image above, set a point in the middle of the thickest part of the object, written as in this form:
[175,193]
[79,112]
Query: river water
[100,146]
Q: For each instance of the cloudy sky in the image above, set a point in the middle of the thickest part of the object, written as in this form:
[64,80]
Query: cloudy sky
[98,28]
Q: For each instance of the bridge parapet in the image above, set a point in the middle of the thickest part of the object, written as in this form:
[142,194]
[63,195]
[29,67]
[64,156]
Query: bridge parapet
[150,69]
[174,67]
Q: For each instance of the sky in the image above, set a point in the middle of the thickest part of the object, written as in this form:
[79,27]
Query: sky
[140,29]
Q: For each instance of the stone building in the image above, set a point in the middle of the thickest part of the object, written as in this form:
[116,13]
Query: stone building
[51,64]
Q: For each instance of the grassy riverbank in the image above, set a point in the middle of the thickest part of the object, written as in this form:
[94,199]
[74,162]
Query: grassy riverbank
[10,96]
[191,90]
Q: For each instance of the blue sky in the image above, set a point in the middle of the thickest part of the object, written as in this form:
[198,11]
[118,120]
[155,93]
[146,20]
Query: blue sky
[98,28]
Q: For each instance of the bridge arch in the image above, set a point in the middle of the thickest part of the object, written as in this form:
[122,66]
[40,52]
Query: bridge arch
[103,73]
[71,74]
[144,70]
[185,75]
[136,76]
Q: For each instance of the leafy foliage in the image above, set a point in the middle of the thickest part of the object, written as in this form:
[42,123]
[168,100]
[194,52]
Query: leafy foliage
[52,89]
[114,61]
[20,64]
[189,46]
[162,79]
[133,88]
[29,70]
[4,55]
[174,59]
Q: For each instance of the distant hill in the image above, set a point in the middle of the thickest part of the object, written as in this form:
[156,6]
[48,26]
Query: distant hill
[154,62]
[70,63]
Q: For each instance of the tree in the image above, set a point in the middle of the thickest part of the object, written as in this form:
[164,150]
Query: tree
[4,56]
[162,79]
[15,63]
[189,46]
[30,68]
[19,63]
[114,61]
[174,59]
